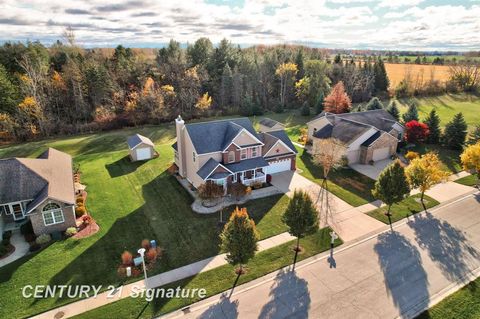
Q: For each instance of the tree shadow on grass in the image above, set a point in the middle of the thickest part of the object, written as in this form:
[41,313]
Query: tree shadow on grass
[405,278]
[447,246]
[225,308]
[123,166]
[289,297]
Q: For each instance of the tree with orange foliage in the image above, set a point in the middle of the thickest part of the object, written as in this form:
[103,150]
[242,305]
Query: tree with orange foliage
[337,101]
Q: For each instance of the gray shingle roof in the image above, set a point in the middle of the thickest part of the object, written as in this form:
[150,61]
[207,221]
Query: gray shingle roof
[247,164]
[379,119]
[207,168]
[175,146]
[345,131]
[215,136]
[282,135]
[269,122]
[137,139]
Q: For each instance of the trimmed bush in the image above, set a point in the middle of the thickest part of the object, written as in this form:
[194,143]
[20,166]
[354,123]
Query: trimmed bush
[411,155]
[43,239]
[80,201]
[146,244]
[7,235]
[127,258]
[34,247]
[80,211]
[70,231]
[3,250]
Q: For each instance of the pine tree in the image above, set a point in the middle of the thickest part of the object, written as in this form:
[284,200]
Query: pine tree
[391,187]
[299,62]
[226,86]
[433,122]
[455,132]
[381,77]
[305,109]
[319,103]
[393,110]
[411,114]
[374,104]
[8,93]
[337,59]
[474,136]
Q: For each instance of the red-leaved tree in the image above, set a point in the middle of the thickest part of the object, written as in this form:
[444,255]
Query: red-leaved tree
[416,132]
[337,101]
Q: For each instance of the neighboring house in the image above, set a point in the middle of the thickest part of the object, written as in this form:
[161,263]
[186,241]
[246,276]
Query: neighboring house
[368,136]
[40,189]
[230,151]
[140,148]
[267,125]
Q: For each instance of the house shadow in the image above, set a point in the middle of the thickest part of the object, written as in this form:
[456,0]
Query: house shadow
[289,297]
[406,280]
[225,308]
[447,246]
[123,166]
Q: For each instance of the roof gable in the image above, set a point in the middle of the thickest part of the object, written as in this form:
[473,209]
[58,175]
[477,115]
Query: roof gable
[137,139]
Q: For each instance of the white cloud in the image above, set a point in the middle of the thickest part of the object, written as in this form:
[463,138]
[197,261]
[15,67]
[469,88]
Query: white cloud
[399,3]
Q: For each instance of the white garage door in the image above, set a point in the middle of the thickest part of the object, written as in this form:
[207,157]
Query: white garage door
[143,153]
[279,166]
[381,153]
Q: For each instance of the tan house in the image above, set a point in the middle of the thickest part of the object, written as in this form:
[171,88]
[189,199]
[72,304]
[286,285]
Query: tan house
[368,136]
[230,151]
[140,148]
[39,189]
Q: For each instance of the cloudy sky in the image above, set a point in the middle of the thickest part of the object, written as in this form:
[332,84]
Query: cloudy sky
[376,24]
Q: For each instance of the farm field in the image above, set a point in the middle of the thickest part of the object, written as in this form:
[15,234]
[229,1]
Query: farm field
[397,72]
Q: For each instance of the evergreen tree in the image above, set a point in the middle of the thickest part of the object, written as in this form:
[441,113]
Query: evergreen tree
[381,77]
[393,110]
[374,104]
[305,109]
[455,132]
[319,103]
[433,122]
[411,114]
[299,62]
[8,93]
[474,136]
[337,59]
[391,187]
[226,87]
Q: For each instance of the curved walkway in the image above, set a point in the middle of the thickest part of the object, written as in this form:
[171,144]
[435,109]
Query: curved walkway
[21,248]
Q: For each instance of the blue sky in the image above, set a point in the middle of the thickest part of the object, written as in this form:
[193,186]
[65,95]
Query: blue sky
[355,24]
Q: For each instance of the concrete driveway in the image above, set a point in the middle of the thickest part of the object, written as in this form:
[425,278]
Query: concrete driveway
[372,171]
[349,222]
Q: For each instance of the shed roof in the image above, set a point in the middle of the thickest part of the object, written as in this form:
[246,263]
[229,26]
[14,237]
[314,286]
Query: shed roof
[137,139]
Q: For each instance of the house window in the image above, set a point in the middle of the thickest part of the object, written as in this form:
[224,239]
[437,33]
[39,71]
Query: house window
[5,210]
[52,214]
[231,156]
[254,152]
[234,178]
[243,153]
[194,156]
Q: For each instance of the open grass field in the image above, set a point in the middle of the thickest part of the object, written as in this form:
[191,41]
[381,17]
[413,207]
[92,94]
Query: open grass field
[397,72]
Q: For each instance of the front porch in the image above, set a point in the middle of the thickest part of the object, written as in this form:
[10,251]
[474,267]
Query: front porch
[12,225]
[249,178]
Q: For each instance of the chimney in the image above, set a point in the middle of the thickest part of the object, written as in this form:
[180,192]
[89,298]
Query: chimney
[179,126]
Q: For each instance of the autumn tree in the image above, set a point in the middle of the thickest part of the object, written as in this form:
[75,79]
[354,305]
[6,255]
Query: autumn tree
[210,191]
[433,123]
[337,101]
[425,172]
[239,239]
[416,132]
[470,159]
[391,187]
[286,72]
[204,102]
[455,132]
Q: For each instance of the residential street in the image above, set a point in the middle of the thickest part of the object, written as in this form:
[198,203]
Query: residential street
[390,275]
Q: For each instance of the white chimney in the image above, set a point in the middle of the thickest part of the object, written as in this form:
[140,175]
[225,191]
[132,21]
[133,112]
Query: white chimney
[179,126]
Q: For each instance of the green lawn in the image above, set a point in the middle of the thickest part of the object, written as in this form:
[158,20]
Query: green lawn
[346,183]
[407,207]
[216,280]
[293,121]
[130,201]
[470,180]
[451,158]
[463,304]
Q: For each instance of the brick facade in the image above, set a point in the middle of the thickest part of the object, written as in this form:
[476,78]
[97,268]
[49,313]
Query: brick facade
[233,148]
[38,223]
[386,140]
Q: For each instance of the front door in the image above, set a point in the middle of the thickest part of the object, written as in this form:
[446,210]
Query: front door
[17,211]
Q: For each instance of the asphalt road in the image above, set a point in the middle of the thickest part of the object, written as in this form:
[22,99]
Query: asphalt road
[390,275]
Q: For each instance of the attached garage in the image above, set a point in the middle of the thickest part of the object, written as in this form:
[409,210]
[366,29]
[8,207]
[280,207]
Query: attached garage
[278,166]
[381,154]
[353,156]
[140,148]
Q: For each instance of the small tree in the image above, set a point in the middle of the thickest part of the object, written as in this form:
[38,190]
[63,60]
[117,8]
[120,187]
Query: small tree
[391,186]
[239,239]
[411,114]
[474,136]
[319,103]
[328,153]
[337,101]
[416,132]
[300,217]
[393,110]
[433,122]
[238,190]
[210,190]
[455,132]
[471,160]
[425,172]
[374,104]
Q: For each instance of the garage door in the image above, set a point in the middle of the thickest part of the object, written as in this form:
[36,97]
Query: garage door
[381,153]
[353,157]
[143,153]
[279,166]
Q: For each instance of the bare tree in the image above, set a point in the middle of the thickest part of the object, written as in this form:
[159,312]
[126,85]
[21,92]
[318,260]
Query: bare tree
[465,75]
[69,36]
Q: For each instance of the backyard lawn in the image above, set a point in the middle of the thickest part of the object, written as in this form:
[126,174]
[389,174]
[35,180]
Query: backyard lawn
[346,183]
[450,158]
[407,207]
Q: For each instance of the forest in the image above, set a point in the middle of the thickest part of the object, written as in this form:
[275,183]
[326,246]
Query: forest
[66,89]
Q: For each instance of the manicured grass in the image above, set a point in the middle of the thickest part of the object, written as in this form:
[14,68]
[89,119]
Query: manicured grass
[409,206]
[470,180]
[293,121]
[451,158]
[463,304]
[346,183]
[216,280]
[130,201]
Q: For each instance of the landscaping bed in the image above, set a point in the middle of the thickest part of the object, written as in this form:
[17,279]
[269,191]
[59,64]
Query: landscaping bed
[407,207]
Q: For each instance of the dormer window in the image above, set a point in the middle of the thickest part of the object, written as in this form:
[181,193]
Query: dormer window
[243,153]
[254,151]
[231,156]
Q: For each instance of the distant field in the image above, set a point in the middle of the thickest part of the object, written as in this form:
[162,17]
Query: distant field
[421,73]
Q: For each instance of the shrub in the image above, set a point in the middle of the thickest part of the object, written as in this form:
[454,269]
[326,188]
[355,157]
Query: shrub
[305,109]
[5,242]
[210,190]
[80,211]
[238,190]
[417,132]
[34,247]
[411,155]
[146,244]
[3,250]
[344,161]
[7,235]
[257,185]
[70,231]
[30,237]
[43,239]
[87,220]
[151,254]
[127,258]
[80,201]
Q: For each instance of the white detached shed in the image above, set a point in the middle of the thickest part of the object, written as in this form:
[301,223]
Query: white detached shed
[140,148]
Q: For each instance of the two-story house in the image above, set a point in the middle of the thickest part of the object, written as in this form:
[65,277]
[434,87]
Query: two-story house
[229,151]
